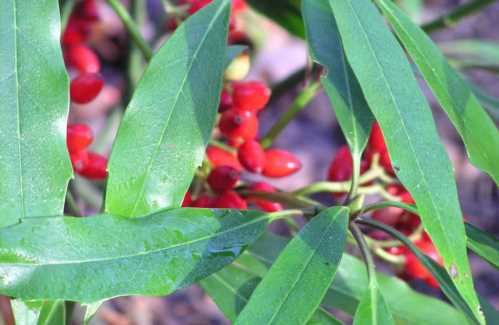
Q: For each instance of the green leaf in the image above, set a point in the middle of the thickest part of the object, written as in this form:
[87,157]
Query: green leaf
[91,310]
[293,288]
[39,312]
[34,104]
[491,314]
[92,259]
[284,12]
[372,308]
[416,151]
[483,244]
[349,285]
[478,131]
[340,83]
[472,53]
[490,102]
[169,120]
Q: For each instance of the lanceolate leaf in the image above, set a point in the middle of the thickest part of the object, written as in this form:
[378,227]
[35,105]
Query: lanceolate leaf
[39,312]
[473,53]
[349,286]
[162,137]
[34,103]
[293,288]
[483,244]
[284,12]
[417,153]
[372,308]
[479,133]
[91,259]
[340,83]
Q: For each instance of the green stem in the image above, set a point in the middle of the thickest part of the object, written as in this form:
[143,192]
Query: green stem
[135,60]
[306,95]
[66,11]
[132,28]
[288,199]
[453,17]
[385,204]
[222,145]
[364,250]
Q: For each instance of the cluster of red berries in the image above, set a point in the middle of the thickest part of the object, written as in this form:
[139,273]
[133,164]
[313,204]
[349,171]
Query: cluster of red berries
[240,105]
[341,170]
[84,62]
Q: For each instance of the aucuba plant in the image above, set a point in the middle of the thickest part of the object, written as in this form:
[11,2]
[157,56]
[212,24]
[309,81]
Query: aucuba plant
[188,190]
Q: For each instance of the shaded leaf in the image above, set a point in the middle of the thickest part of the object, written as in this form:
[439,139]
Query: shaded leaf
[478,131]
[294,286]
[169,120]
[417,154]
[472,53]
[34,103]
[372,308]
[39,312]
[483,244]
[284,12]
[92,259]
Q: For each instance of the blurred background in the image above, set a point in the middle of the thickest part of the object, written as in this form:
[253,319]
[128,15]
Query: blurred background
[314,136]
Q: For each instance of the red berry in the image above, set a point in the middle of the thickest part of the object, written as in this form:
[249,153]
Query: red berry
[252,156]
[413,267]
[250,95]
[79,137]
[79,159]
[280,163]
[187,202]
[95,168]
[230,200]
[83,59]
[239,125]
[204,201]
[86,87]
[376,139]
[223,178]
[220,157]
[265,205]
[341,167]
[225,101]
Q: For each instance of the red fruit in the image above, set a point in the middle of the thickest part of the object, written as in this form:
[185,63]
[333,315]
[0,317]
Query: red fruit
[86,87]
[413,267]
[280,163]
[250,95]
[95,168]
[238,6]
[83,59]
[221,157]
[72,36]
[79,159]
[341,167]
[265,205]
[223,178]
[239,125]
[225,101]
[204,201]
[252,156]
[196,5]
[187,202]
[230,200]
[79,137]
[391,215]
[376,140]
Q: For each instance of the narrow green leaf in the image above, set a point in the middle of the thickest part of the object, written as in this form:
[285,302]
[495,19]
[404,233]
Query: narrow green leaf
[340,83]
[372,308]
[491,314]
[293,288]
[92,259]
[168,122]
[490,102]
[478,131]
[483,244]
[472,53]
[39,312]
[417,154]
[34,103]
[406,305]
[284,12]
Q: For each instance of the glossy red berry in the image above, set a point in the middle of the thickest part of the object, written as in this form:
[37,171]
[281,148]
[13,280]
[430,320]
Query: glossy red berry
[83,59]
[230,200]
[95,168]
[86,87]
[265,205]
[187,202]
[220,157]
[341,167]
[223,178]
[225,101]
[79,137]
[239,125]
[204,201]
[250,95]
[280,163]
[413,267]
[252,156]
[79,160]
[376,139]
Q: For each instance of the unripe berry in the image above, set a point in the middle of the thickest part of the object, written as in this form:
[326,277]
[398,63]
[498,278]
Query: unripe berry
[83,59]
[239,68]
[250,95]
[252,156]
[86,87]
[280,163]
[239,125]
[223,178]
[220,157]
[265,205]
[230,200]
[95,168]
[79,137]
